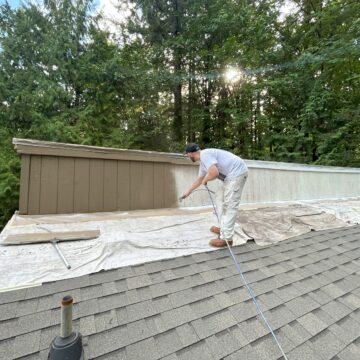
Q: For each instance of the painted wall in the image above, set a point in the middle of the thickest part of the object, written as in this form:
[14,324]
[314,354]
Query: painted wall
[66,178]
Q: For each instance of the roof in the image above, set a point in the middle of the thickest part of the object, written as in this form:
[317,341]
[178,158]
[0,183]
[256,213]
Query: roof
[196,306]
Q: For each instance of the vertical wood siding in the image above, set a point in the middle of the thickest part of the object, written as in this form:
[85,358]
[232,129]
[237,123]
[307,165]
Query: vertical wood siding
[59,185]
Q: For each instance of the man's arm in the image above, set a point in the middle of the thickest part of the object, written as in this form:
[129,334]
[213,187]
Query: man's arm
[212,174]
[193,186]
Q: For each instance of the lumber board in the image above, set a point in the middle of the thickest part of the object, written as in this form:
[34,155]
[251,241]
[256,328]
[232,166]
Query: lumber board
[32,238]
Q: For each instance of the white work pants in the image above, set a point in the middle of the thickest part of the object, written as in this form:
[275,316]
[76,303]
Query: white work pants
[228,200]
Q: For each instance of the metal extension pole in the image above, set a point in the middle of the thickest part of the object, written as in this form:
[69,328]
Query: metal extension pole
[56,246]
[249,289]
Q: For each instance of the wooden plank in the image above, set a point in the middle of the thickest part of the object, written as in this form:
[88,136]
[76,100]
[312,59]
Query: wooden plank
[159,185]
[24,184]
[135,184]
[66,185]
[81,185]
[48,184]
[31,238]
[34,185]
[147,186]
[170,191]
[96,190]
[123,185]
[141,185]
[110,185]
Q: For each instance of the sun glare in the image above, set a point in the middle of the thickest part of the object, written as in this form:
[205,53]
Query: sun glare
[232,75]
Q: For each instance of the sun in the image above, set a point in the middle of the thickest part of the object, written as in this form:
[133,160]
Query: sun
[232,75]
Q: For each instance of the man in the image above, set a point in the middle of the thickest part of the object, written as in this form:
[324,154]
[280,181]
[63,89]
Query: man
[232,170]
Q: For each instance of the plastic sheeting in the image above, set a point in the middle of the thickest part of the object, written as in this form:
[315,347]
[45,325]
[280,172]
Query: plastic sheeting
[140,236]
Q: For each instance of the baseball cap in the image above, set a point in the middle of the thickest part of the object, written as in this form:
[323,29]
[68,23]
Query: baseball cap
[192,147]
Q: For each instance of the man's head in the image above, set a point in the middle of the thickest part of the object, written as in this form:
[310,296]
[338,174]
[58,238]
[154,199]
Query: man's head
[192,151]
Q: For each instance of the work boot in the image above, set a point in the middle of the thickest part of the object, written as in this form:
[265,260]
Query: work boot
[220,242]
[215,230]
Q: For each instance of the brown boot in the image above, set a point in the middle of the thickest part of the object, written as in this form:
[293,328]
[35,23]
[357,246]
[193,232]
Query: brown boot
[219,242]
[215,230]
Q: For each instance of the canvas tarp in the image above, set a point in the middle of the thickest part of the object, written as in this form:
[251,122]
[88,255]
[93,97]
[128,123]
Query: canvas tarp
[128,238]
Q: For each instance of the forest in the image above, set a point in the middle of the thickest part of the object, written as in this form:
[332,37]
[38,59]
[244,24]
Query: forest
[235,74]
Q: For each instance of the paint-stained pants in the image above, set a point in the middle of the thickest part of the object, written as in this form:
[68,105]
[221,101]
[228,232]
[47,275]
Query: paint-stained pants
[228,201]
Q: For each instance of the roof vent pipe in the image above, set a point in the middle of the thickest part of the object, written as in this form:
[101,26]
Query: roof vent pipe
[69,344]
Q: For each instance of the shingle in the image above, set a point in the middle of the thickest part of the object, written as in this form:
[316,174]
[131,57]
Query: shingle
[296,333]
[243,311]
[110,275]
[253,328]
[140,310]
[352,301]
[46,303]
[351,352]
[91,292]
[138,330]
[347,330]
[320,297]
[48,335]
[224,300]
[211,275]
[88,307]
[139,294]
[162,303]
[176,317]
[289,277]
[302,305]
[247,352]
[222,344]
[336,309]
[205,307]
[27,344]
[312,323]
[267,348]
[201,257]
[287,292]
[107,341]
[279,316]
[87,325]
[302,352]
[34,322]
[187,334]
[335,274]
[6,348]
[167,343]
[269,300]
[157,277]
[109,288]
[142,350]
[198,351]
[307,285]
[138,281]
[8,311]
[333,291]
[184,271]
[112,302]
[139,269]
[326,344]
[213,323]
[239,295]
[265,285]
[15,295]
[105,320]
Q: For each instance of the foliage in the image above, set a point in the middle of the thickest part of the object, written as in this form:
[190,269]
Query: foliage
[161,83]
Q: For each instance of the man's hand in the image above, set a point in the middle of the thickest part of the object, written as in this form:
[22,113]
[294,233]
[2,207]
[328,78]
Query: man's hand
[184,195]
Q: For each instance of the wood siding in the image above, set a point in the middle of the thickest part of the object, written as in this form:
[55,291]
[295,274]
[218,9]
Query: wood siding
[60,185]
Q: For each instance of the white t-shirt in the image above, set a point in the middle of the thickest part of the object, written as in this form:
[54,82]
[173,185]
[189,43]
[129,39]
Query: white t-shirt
[229,165]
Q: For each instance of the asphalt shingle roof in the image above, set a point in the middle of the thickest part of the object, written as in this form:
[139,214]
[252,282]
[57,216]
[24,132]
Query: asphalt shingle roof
[196,307]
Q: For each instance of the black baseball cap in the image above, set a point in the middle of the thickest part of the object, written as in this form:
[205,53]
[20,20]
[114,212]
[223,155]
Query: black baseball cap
[192,147]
